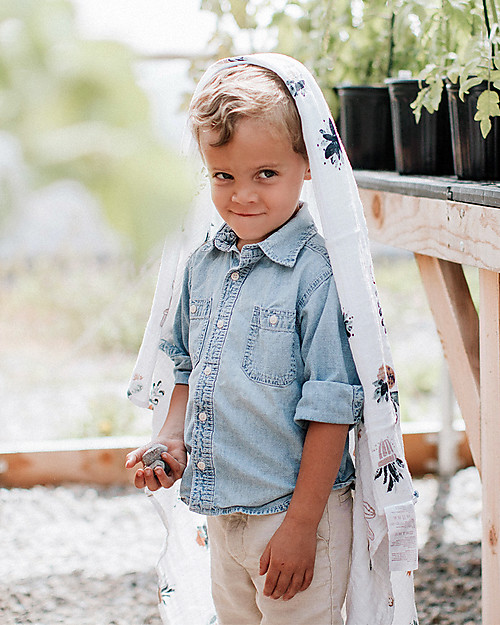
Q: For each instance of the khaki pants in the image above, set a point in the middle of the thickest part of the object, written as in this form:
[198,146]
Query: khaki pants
[237,542]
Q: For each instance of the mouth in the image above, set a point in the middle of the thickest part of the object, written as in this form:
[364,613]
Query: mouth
[247,214]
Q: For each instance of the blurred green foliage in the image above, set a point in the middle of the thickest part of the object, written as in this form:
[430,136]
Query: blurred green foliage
[75,109]
[341,41]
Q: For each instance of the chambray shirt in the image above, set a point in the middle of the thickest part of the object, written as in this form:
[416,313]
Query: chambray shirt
[259,336]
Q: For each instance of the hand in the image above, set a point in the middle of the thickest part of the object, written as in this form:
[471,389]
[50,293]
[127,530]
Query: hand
[288,560]
[176,458]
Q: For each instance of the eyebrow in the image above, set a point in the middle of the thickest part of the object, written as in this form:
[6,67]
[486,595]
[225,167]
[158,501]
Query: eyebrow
[259,167]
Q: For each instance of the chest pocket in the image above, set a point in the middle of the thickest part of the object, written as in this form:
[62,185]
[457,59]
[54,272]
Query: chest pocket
[199,316]
[270,351]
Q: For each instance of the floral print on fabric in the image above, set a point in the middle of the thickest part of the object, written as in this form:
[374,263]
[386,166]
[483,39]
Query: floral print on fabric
[157,393]
[384,382]
[382,322]
[348,322]
[136,386]
[202,536]
[296,87]
[369,512]
[331,145]
[165,592]
[389,465]
[385,387]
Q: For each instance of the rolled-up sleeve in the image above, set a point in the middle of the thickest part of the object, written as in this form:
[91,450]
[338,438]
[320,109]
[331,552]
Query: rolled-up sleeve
[177,347]
[331,392]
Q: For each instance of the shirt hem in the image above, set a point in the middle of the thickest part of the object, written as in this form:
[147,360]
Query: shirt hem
[255,511]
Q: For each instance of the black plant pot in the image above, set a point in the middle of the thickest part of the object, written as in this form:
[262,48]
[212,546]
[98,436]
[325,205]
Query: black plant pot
[365,126]
[475,158]
[423,148]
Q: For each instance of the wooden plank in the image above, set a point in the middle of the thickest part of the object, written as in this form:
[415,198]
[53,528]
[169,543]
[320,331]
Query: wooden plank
[458,328]
[421,448]
[467,234]
[490,442]
[438,187]
[87,461]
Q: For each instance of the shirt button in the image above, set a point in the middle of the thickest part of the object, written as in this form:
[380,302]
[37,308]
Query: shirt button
[202,416]
[273,320]
[207,370]
[220,324]
[235,276]
[192,308]
[201,465]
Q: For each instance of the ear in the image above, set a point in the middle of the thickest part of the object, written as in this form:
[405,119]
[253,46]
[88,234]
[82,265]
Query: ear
[307,175]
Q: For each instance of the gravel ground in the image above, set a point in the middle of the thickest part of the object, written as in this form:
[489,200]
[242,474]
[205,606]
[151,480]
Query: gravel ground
[85,556]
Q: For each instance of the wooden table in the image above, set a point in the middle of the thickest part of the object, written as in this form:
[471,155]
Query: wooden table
[447,224]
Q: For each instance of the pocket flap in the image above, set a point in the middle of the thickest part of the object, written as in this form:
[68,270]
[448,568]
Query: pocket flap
[199,308]
[274,319]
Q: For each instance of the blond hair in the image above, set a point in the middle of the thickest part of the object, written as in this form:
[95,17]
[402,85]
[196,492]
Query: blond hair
[246,91]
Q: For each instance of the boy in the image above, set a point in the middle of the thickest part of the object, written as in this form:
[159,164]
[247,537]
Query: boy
[266,388]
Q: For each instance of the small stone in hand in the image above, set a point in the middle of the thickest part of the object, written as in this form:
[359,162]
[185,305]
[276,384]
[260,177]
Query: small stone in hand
[152,457]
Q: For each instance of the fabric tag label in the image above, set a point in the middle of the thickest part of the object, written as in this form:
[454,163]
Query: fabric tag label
[402,528]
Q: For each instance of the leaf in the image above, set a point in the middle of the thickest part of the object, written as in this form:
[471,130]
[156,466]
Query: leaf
[487,107]
[469,83]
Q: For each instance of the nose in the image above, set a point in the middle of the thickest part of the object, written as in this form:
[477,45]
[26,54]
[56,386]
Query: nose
[244,194]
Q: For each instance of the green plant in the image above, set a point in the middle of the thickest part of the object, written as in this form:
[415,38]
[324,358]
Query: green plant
[460,41]
[341,41]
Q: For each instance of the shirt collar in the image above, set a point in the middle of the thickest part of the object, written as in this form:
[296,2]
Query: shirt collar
[283,246]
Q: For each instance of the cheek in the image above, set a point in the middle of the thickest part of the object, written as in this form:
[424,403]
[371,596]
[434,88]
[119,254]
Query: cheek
[217,194]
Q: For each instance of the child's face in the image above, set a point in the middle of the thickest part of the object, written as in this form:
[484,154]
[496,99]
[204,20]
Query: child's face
[255,179]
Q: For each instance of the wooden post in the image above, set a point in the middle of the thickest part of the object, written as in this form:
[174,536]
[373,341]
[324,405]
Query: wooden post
[490,442]
[447,439]
[458,328]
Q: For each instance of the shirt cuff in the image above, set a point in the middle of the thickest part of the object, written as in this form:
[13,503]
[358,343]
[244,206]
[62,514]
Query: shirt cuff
[181,376]
[330,402]
[182,362]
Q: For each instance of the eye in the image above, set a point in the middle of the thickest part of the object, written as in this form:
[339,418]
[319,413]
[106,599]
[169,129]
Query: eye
[267,173]
[221,175]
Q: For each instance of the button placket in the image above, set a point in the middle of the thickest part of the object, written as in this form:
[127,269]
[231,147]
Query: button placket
[202,435]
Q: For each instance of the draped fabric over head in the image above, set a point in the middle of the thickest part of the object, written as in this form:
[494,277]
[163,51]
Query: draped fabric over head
[384,546]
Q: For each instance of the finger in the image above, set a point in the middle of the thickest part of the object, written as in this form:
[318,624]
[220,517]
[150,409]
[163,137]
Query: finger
[131,460]
[151,481]
[135,456]
[264,561]
[165,480]
[308,578]
[139,481]
[294,587]
[271,581]
[282,585]
[176,467]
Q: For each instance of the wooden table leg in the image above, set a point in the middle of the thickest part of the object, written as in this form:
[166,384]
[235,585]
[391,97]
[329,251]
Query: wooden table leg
[458,327]
[490,442]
